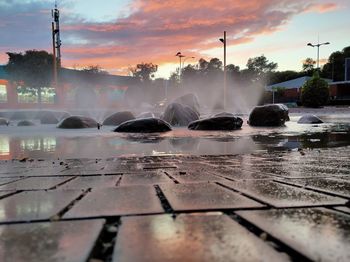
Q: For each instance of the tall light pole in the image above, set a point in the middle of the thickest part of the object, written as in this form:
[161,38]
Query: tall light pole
[223,40]
[318,51]
[178,54]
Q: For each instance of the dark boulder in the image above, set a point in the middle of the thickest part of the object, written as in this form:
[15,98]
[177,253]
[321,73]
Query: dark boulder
[179,115]
[25,123]
[223,114]
[4,121]
[309,119]
[145,125]
[189,100]
[269,115]
[118,118]
[77,122]
[217,123]
[48,117]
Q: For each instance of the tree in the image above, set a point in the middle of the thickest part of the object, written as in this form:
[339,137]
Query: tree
[259,68]
[95,69]
[315,92]
[144,71]
[32,70]
[309,66]
[335,67]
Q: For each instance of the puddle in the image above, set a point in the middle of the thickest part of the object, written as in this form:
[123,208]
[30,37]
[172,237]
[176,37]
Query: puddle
[46,141]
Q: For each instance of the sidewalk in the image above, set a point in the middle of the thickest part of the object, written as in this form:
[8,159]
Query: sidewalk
[270,206]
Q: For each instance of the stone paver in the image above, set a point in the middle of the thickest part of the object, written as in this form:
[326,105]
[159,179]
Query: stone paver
[145,178]
[320,234]
[125,200]
[281,195]
[190,176]
[35,205]
[35,183]
[199,196]
[85,182]
[191,237]
[68,241]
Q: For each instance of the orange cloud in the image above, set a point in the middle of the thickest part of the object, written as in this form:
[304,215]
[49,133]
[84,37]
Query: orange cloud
[323,8]
[157,29]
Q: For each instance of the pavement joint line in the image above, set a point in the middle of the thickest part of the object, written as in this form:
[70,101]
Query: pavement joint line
[172,178]
[340,211]
[163,200]
[279,246]
[11,194]
[62,183]
[119,180]
[60,214]
[9,182]
[313,189]
[244,194]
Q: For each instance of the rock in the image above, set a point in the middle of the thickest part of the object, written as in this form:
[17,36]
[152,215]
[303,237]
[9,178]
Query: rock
[145,115]
[4,121]
[217,123]
[269,115]
[145,125]
[48,117]
[179,115]
[189,100]
[118,118]
[77,122]
[223,114]
[25,123]
[309,119]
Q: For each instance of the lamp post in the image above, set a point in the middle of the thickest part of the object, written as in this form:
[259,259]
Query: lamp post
[223,40]
[318,51]
[180,57]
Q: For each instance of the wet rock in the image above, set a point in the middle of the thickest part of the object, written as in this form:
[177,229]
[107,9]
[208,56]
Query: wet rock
[145,115]
[309,119]
[179,115]
[189,100]
[48,117]
[145,125]
[77,122]
[25,123]
[4,121]
[217,123]
[118,118]
[269,115]
[223,114]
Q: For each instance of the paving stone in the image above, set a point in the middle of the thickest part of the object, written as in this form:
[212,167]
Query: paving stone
[320,234]
[35,205]
[34,183]
[84,182]
[335,186]
[5,180]
[204,196]
[239,174]
[193,176]
[126,200]
[281,195]
[189,237]
[343,209]
[145,178]
[70,241]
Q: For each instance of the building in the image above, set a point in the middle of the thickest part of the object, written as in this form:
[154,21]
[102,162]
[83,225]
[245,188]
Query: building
[75,89]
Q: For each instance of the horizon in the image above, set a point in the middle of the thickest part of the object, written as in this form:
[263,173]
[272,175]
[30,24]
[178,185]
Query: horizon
[117,36]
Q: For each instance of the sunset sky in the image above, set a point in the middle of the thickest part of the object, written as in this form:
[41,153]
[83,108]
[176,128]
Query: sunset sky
[117,34]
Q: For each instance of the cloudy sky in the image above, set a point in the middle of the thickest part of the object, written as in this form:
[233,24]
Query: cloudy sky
[117,34]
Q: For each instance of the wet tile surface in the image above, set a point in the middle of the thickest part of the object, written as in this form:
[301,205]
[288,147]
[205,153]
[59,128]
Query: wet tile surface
[197,237]
[35,183]
[320,234]
[70,241]
[117,201]
[85,182]
[281,195]
[197,196]
[145,178]
[34,205]
[193,176]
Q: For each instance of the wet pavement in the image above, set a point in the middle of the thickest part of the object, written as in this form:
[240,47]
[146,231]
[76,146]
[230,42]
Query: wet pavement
[266,205]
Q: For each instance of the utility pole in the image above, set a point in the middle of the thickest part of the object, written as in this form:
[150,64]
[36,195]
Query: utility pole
[223,40]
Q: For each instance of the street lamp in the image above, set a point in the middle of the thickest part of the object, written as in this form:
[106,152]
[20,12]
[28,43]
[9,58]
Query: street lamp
[178,54]
[223,40]
[318,51]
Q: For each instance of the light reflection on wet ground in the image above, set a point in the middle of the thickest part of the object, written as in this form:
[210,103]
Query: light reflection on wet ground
[46,141]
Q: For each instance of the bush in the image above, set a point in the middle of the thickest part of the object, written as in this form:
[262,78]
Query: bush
[315,92]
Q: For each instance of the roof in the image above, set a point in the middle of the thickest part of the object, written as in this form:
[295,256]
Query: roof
[294,83]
